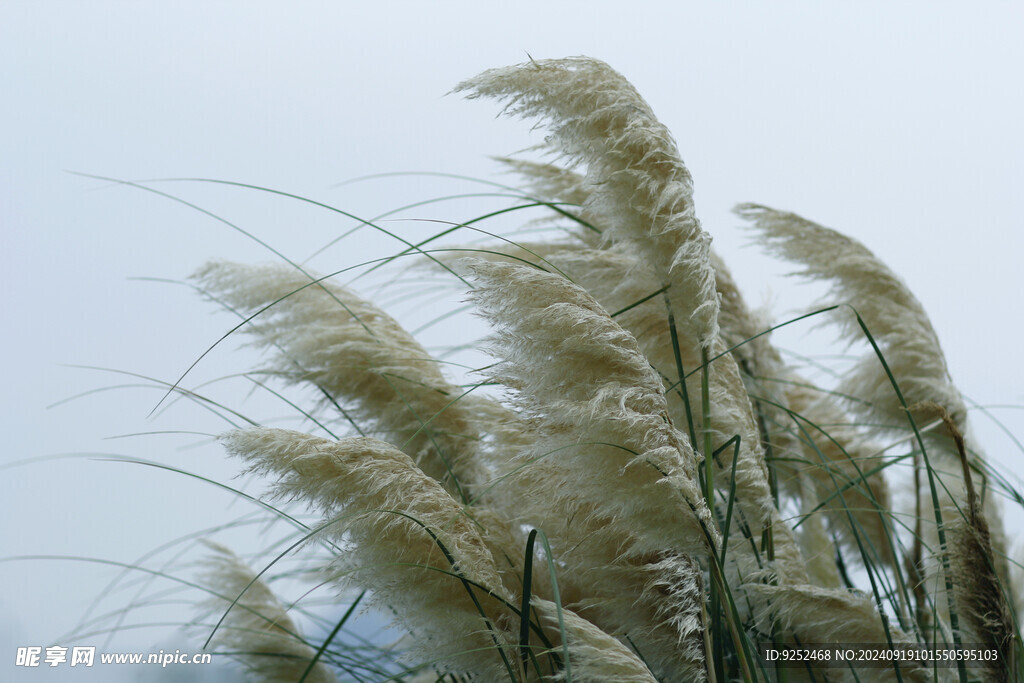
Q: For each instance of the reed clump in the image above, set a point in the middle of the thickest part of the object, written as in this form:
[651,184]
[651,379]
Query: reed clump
[638,487]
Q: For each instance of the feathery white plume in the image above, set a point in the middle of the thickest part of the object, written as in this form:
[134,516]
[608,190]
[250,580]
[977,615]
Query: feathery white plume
[615,481]
[407,540]
[891,312]
[358,355]
[594,656]
[257,629]
[640,190]
[584,383]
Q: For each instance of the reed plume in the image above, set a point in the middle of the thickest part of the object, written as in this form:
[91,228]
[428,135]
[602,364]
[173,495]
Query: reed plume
[906,377]
[257,628]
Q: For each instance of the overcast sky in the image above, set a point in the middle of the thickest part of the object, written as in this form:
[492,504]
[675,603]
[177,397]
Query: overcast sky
[897,123]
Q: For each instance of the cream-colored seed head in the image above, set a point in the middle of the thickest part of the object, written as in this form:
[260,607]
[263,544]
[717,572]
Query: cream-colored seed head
[406,539]
[257,625]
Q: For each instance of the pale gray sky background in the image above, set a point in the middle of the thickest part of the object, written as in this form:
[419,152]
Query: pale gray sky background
[898,123]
